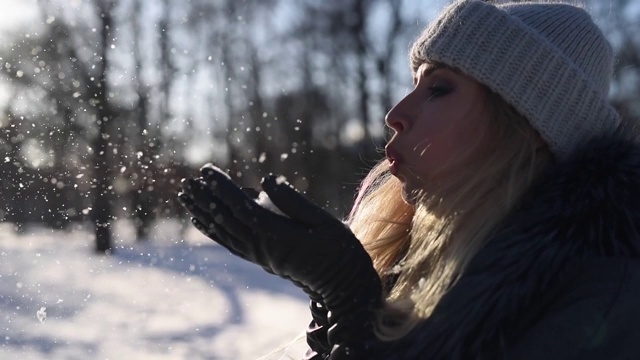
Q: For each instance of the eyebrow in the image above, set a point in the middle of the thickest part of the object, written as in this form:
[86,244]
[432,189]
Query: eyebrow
[427,69]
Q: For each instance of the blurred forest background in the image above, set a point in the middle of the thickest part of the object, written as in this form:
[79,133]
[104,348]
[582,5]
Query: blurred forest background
[109,103]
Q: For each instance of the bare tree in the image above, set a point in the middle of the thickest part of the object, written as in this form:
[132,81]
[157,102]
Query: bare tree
[139,165]
[102,174]
[65,70]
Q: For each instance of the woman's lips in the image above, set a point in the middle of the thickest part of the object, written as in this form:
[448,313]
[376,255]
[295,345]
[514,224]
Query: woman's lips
[393,167]
[394,160]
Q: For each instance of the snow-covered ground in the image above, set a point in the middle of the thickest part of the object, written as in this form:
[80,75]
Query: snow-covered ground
[174,297]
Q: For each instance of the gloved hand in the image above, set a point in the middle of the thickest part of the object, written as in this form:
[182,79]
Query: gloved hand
[310,247]
[317,337]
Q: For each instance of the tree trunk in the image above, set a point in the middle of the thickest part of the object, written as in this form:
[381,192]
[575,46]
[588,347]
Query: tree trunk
[102,206]
[10,174]
[141,198]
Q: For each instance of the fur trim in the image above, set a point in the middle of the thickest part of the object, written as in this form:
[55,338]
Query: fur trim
[586,206]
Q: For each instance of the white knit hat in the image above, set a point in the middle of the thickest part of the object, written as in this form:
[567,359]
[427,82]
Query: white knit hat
[548,60]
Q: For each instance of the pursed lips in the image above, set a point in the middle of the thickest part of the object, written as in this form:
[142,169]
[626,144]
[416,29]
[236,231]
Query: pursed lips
[393,158]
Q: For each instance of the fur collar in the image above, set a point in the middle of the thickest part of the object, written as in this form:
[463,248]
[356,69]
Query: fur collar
[586,206]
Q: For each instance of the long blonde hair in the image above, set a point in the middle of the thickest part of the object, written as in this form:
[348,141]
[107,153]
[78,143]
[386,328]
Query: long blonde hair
[421,249]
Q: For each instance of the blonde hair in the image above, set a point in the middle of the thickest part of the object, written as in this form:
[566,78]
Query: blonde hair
[421,249]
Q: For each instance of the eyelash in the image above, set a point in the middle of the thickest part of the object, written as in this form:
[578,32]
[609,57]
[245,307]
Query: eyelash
[437,91]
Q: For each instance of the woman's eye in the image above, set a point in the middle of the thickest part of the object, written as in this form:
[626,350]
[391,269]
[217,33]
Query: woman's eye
[437,91]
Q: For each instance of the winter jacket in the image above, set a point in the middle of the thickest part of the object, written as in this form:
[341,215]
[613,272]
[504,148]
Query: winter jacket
[559,279]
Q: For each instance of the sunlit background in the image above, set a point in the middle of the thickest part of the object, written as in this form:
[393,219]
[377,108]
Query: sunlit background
[106,104]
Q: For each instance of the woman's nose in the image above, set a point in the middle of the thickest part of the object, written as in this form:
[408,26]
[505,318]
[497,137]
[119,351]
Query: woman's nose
[395,120]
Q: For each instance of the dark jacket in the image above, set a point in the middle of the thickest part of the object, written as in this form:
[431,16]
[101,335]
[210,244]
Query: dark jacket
[560,279]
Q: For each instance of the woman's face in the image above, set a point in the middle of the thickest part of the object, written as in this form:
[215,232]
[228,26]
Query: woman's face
[443,121]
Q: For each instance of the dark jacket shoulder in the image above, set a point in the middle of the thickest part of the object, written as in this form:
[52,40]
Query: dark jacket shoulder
[591,312]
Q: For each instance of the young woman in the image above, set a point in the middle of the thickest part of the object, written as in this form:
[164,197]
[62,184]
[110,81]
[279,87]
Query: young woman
[504,222]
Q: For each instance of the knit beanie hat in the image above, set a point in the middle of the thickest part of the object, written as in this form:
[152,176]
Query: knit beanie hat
[548,60]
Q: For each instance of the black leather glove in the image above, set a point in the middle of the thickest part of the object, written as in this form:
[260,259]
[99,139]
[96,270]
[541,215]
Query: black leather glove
[311,248]
[317,336]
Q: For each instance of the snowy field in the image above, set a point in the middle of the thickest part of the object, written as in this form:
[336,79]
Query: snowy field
[175,297]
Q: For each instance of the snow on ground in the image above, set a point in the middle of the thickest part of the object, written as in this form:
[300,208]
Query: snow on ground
[169,298]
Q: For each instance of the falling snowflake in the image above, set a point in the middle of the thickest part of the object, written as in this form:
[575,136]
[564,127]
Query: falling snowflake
[42,314]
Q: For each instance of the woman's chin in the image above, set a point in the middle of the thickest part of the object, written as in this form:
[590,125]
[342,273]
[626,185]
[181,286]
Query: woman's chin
[408,200]
[409,195]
